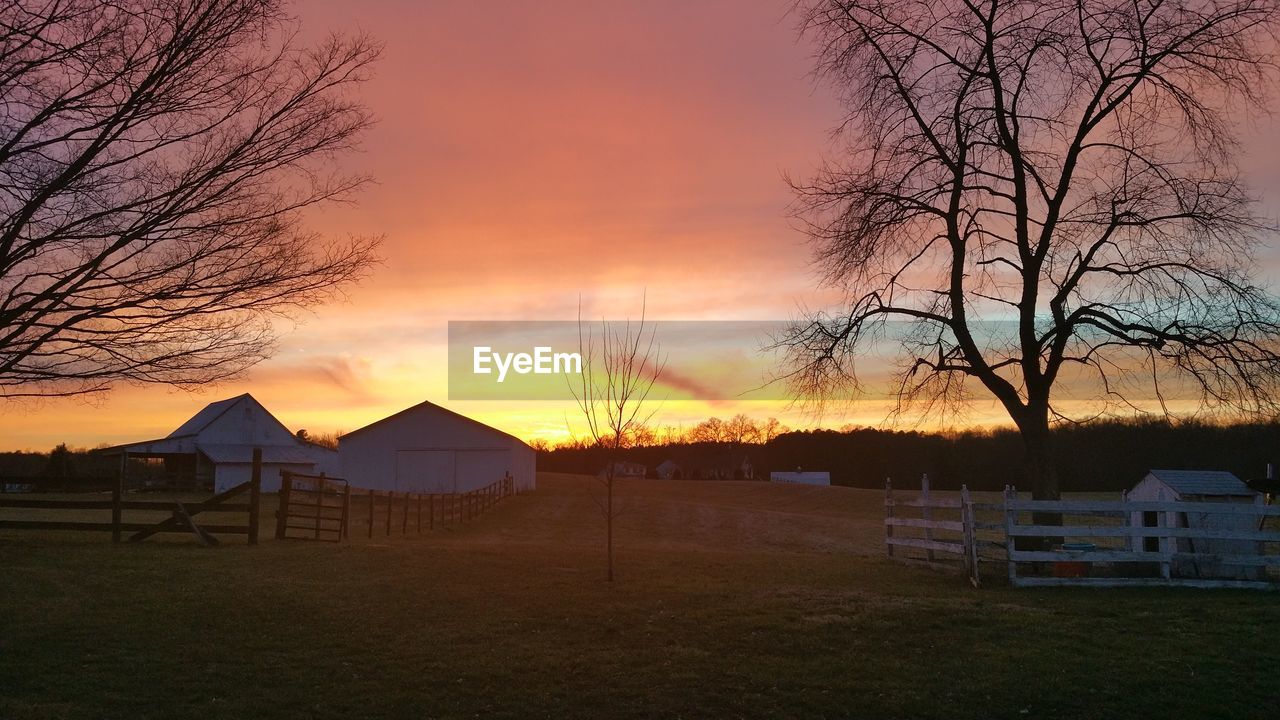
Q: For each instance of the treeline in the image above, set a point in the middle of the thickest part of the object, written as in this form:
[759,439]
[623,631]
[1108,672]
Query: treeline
[1098,456]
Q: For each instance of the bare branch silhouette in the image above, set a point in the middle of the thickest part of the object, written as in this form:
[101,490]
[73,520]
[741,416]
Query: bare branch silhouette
[155,162]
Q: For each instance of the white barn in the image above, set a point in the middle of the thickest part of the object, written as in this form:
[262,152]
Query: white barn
[1201,486]
[215,447]
[429,449]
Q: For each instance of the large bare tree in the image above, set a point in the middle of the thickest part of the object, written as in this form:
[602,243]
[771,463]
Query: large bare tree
[156,157]
[1046,194]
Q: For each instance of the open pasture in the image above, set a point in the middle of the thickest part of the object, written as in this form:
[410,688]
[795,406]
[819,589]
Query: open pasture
[733,599]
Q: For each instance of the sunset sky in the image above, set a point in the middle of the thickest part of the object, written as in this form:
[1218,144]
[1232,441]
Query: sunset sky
[530,156]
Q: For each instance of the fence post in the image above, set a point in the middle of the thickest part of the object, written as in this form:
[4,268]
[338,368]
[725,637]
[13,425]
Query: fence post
[926,513]
[404,519]
[391,503]
[1010,521]
[888,516]
[419,513]
[117,498]
[431,511]
[282,512]
[373,501]
[968,521]
[255,495]
[321,485]
[346,512]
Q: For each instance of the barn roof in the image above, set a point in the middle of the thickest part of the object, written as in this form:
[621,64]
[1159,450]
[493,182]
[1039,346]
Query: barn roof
[1202,482]
[207,415]
[427,404]
[234,453]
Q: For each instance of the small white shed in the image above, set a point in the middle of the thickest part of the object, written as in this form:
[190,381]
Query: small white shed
[215,447]
[1200,486]
[429,449]
[801,478]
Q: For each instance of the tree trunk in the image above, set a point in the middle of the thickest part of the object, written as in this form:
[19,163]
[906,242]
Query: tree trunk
[1041,475]
[609,521]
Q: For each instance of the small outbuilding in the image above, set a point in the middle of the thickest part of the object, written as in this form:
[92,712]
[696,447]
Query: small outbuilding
[214,448]
[801,478]
[430,449]
[1198,486]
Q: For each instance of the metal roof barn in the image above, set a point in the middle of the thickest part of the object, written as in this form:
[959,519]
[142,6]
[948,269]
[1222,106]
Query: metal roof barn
[215,447]
[430,449]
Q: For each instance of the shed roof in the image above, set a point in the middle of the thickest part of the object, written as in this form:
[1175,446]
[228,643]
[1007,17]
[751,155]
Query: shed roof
[1202,482]
[221,453]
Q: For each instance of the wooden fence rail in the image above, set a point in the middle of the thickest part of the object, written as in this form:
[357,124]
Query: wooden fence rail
[180,520]
[963,547]
[315,507]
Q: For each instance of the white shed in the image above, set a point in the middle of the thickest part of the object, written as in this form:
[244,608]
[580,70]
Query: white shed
[430,449]
[215,447]
[1201,486]
[801,478]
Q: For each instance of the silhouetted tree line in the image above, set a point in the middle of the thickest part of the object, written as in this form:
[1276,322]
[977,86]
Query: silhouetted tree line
[71,469]
[1096,456]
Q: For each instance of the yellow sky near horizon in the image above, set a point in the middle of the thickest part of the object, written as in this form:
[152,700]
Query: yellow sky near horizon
[530,159]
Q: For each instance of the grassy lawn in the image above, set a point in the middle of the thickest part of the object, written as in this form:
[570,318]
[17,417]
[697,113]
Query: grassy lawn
[732,600]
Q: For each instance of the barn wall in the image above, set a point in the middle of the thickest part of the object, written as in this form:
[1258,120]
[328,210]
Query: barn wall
[427,449]
[228,475]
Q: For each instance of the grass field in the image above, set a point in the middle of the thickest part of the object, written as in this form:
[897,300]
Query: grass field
[732,600]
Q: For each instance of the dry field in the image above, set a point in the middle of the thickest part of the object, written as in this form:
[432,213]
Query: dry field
[732,600]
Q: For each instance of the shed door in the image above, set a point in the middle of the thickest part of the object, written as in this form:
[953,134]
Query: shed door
[425,471]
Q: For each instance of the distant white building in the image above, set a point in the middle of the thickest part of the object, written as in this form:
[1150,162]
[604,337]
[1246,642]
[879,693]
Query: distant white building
[215,447]
[429,449]
[1200,486]
[802,478]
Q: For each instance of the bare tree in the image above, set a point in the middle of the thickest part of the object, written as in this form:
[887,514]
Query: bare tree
[619,369]
[156,157]
[1066,166]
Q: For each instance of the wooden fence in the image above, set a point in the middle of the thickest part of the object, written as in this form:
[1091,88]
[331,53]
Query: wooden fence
[1234,549]
[948,533]
[181,518]
[946,541]
[315,507]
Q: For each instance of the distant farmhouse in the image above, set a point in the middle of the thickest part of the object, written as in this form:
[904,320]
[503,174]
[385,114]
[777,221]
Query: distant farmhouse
[215,447]
[706,463]
[624,469]
[429,449]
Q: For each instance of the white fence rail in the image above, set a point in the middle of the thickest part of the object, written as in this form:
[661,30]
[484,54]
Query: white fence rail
[963,548]
[1230,548]
[1136,543]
